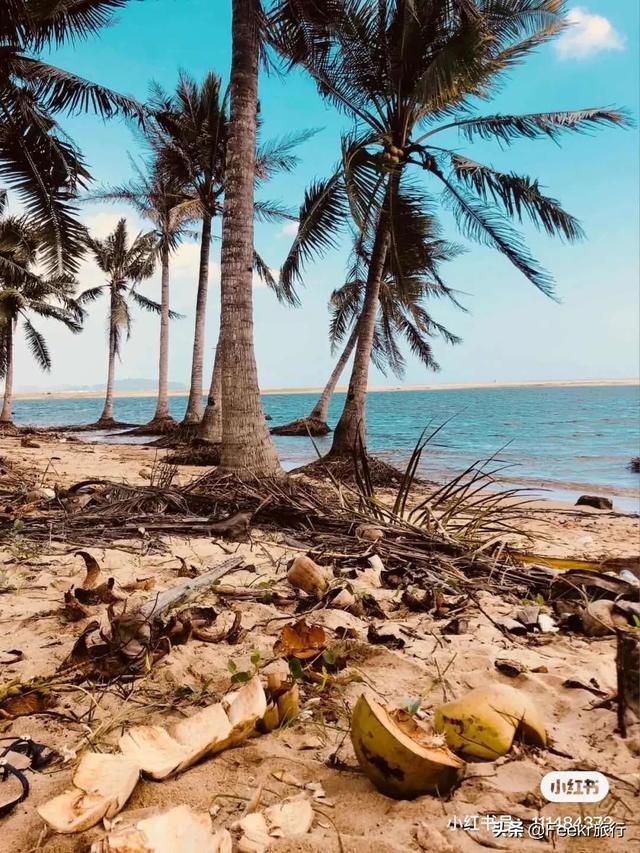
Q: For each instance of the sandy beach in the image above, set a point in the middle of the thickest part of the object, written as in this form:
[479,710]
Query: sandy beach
[559,383]
[567,675]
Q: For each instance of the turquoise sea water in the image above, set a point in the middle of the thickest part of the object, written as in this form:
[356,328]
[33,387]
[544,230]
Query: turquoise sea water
[567,440]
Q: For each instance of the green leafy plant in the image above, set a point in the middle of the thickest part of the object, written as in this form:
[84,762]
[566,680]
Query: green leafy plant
[240,676]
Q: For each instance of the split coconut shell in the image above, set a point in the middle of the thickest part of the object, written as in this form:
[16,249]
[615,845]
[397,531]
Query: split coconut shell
[102,784]
[401,758]
[178,830]
[308,576]
[484,723]
[161,754]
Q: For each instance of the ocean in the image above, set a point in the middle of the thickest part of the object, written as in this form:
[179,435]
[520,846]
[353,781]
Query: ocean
[558,441]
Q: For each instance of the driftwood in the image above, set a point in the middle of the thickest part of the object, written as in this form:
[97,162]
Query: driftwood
[133,631]
[180,594]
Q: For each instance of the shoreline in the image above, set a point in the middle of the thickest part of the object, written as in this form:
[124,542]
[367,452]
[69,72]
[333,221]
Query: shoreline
[341,389]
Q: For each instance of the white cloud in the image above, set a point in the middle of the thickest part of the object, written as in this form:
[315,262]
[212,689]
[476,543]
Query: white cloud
[586,35]
[289,229]
[102,224]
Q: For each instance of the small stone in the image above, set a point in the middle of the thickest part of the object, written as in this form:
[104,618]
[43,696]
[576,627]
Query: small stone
[512,668]
[547,625]
[528,616]
[595,501]
[512,626]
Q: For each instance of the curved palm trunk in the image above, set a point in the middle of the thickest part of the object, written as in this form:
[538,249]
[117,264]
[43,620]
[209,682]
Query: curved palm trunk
[5,416]
[316,423]
[351,428]
[321,409]
[211,424]
[193,414]
[162,414]
[107,413]
[247,448]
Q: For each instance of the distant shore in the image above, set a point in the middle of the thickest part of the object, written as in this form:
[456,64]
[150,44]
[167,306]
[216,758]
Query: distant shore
[458,386]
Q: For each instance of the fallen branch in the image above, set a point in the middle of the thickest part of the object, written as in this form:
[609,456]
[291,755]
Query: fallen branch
[183,592]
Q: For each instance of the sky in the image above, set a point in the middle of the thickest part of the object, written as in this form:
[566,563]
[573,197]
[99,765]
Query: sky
[511,331]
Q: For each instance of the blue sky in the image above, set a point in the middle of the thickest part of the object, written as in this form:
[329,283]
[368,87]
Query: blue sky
[511,332]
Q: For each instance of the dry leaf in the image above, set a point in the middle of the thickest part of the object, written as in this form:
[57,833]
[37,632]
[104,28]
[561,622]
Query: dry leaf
[301,641]
[391,641]
[21,701]
[287,778]
[255,834]
[93,570]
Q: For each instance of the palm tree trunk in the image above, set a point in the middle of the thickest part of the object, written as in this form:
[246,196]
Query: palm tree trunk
[5,416]
[107,413]
[193,414]
[315,424]
[351,427]
[247,448]
[321,409]
[162,407]
[211,424]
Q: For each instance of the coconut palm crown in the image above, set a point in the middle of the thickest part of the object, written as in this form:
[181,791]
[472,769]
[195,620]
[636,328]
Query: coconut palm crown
[24,294]
[37,159]
[412,75]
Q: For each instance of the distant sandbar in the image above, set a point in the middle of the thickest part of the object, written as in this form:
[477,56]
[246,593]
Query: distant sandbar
[457,386]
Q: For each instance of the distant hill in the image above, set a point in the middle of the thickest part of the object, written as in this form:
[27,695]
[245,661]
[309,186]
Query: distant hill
[119,385]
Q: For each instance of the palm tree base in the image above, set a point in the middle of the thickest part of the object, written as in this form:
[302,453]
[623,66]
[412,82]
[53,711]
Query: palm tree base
[181,435]
[201,455]
[165,425]
[107,423]
[302,427]
[342,468]
[9,427]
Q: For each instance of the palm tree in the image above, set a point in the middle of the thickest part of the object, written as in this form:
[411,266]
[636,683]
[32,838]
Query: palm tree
[247,449]
[161,199]
[407,70]
[36,158]
[23,293]
[192,147]
[402,313]
[192,150]
[125,267]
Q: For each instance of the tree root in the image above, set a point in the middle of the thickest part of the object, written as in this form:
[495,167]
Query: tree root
[342,468]
[302,427]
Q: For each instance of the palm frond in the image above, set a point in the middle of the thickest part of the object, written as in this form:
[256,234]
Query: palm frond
[90,295]
[45,171]
[57,91]
[486,225]
[517,195]
[278,155]
[321,217]
[149,304]
[508,128]
[272,211]
[37,345]
[53,22]
[263,270]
